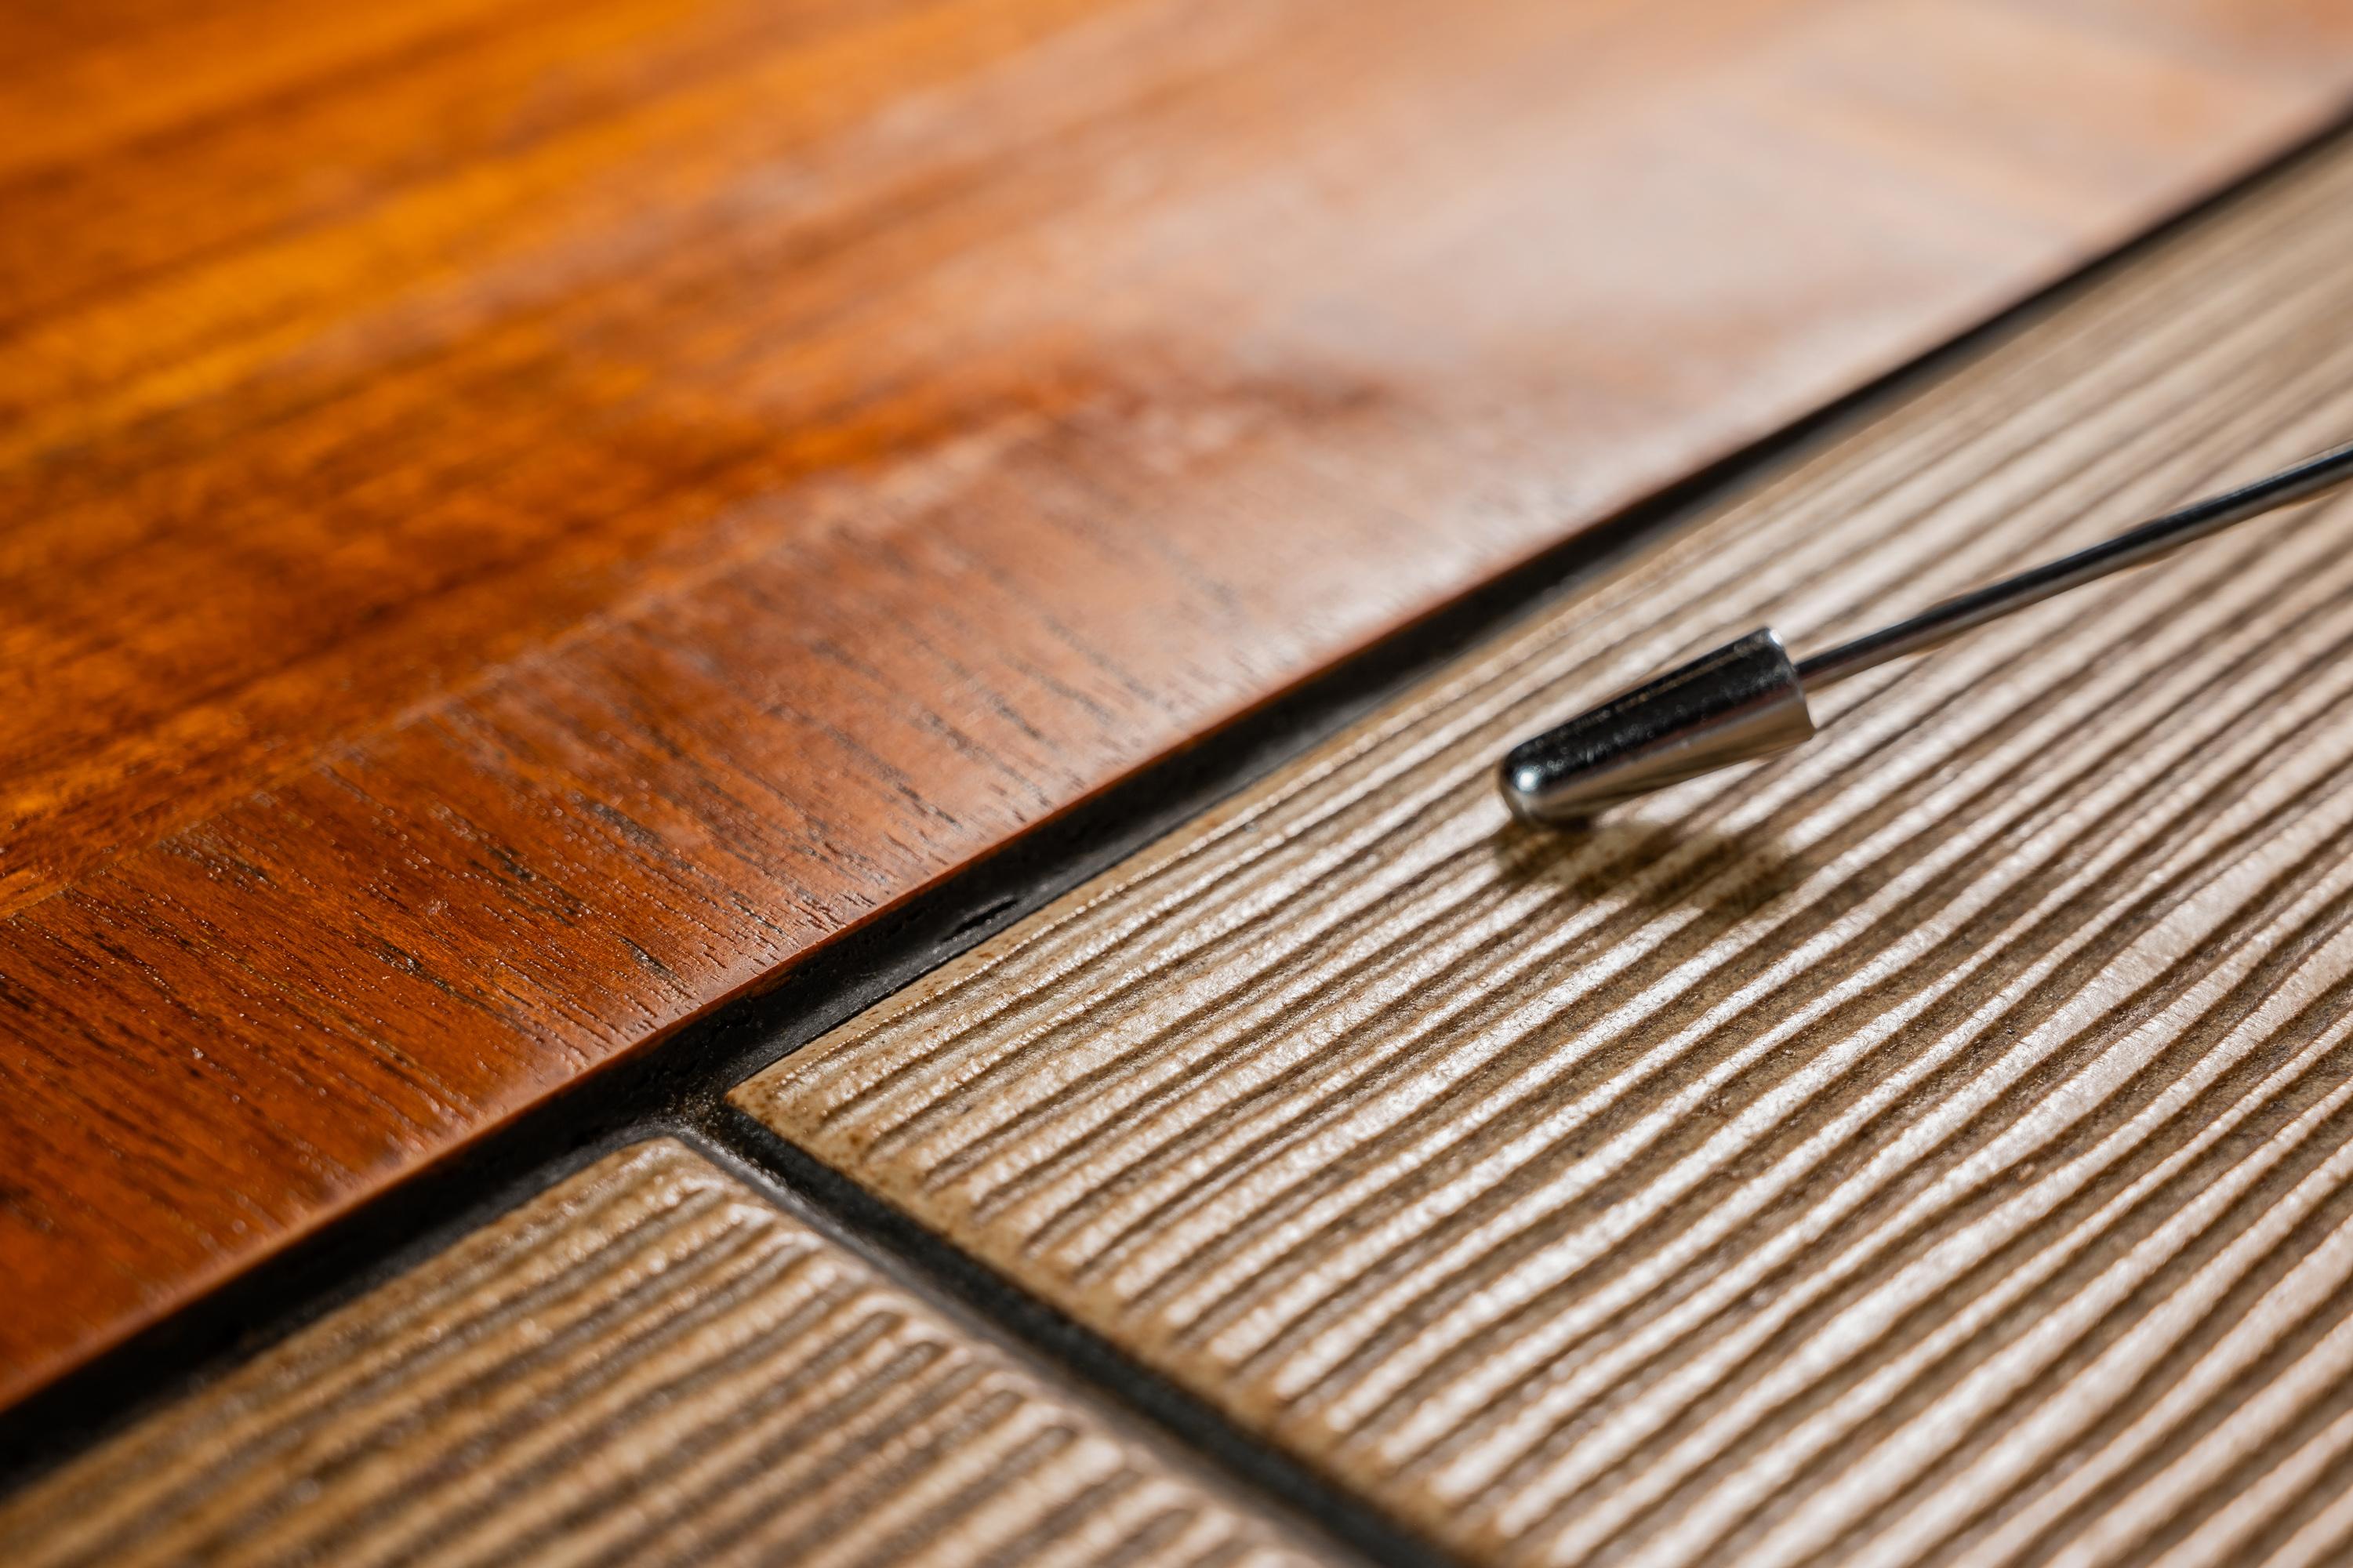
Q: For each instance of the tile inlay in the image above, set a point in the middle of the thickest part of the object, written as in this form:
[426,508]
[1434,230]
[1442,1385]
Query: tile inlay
[649,1362]
[1935,1146]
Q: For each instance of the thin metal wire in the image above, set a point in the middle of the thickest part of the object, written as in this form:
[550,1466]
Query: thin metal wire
[1941,623]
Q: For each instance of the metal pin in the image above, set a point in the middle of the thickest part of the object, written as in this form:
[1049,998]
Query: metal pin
[1746,701]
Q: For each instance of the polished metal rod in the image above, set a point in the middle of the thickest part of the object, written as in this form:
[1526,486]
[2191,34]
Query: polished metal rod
[1746,701]
[1941,623]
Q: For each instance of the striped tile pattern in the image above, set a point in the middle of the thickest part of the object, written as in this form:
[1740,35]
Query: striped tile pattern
[1936,1146]
[650,1364]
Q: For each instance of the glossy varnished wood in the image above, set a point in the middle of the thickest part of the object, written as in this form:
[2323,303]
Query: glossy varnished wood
[524,516]
[649,1363]
[1936,1145]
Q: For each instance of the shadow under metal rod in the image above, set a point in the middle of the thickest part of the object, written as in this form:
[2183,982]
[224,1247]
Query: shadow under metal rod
[1746,701]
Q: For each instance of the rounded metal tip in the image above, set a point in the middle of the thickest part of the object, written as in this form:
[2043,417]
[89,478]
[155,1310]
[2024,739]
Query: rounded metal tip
[1742,703]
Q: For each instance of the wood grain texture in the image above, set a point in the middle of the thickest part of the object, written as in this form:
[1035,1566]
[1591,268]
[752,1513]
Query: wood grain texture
[648,1363]
[526,515]
[1935,1146]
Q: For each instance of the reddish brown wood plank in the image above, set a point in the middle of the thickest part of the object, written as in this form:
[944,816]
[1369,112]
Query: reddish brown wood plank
[526,515]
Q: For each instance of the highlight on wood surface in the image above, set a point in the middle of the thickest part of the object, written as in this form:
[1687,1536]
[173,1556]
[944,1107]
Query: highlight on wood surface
[648,1363]
[524,519]
[1936,1145]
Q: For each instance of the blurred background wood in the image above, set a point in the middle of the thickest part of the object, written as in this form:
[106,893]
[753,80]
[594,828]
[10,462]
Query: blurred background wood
[523,517]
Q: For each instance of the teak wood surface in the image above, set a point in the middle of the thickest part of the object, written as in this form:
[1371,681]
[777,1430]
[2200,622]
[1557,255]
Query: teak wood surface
[1933,1146]
[649,1363]
[522,517]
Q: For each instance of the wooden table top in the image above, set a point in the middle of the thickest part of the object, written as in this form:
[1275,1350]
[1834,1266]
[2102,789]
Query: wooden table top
[1933,1147]
[526,519]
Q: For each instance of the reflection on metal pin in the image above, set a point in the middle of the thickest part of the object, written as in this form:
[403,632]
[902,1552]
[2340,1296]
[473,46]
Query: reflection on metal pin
[1746,701]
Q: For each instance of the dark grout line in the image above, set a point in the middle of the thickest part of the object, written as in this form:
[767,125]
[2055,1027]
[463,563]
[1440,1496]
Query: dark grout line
[677,1084]
[1058,1347]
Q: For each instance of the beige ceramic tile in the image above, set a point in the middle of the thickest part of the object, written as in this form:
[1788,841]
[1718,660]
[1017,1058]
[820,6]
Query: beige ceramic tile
[649,1363]
[1933,1146]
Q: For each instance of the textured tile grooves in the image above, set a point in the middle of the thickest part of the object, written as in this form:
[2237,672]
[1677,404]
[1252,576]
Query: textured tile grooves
[648,1363]
[1932,1147]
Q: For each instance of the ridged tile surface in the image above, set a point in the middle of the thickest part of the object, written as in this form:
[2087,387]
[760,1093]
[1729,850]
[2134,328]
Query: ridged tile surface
[1932,1147]
[649,1363]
